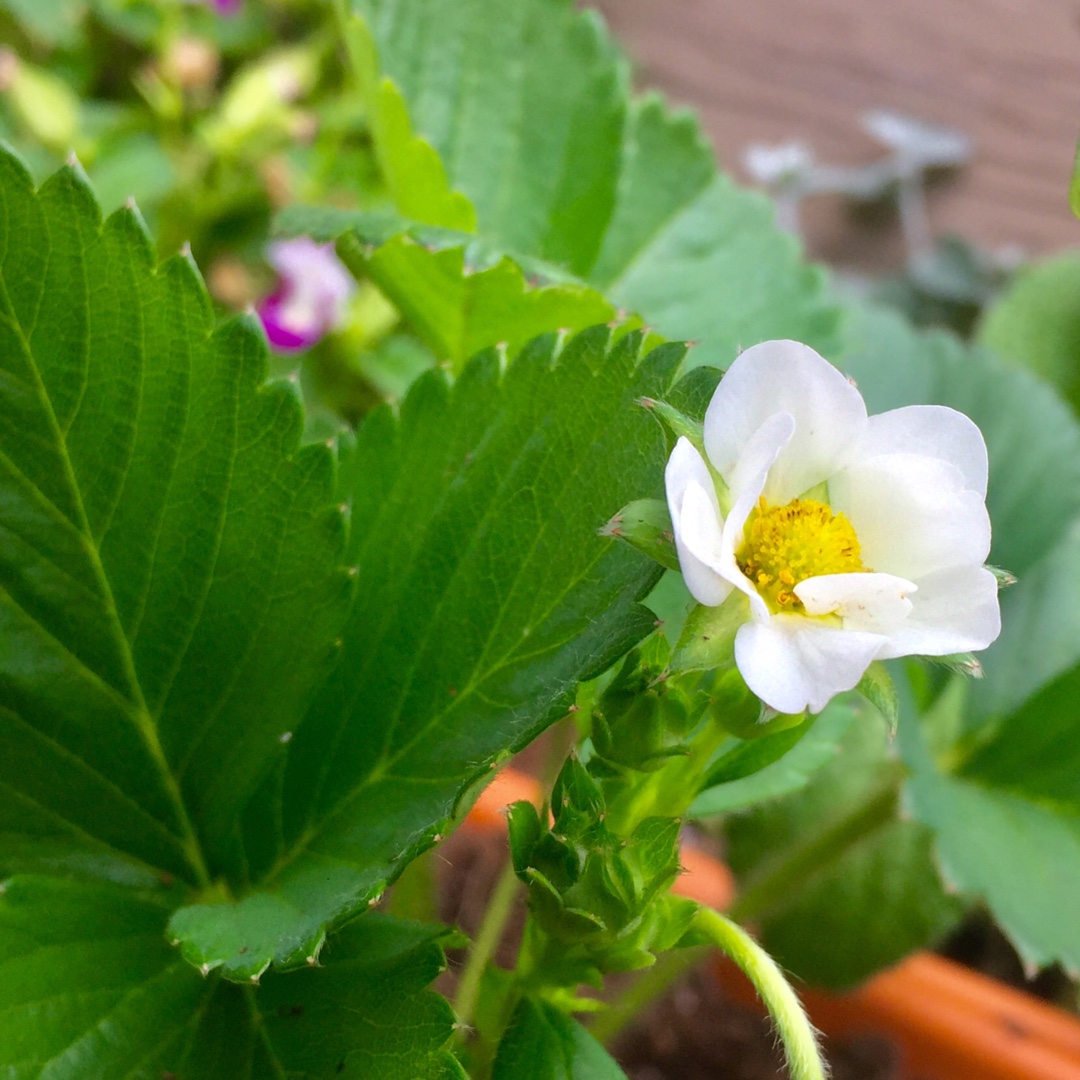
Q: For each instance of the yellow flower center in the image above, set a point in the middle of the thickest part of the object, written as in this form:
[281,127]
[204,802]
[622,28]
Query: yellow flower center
[783,545]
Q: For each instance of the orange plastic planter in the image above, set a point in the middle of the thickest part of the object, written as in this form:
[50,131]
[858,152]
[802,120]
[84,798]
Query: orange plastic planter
[950,1023]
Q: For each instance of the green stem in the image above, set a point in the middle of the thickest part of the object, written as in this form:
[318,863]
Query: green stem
[669,791]
[795,1030]
[783,879]
[484,945]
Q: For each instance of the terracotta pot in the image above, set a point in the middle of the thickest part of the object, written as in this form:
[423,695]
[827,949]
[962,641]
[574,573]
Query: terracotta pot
[949,1022]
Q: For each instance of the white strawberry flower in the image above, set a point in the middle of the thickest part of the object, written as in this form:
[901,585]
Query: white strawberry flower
[855,538]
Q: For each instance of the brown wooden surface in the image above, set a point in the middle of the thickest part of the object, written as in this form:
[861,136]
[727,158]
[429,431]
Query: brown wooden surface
[1006,72]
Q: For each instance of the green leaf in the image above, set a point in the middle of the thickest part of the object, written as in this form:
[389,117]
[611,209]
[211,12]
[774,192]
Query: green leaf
[88,985]
[171,593]
[1040,633]
[170,582]
[525,106]
[681,243]
[1035,753]
[1008,831]
[368,1012]
[1036,322]
[90,988]
[458,312]
[562,166]
[542,1043]
[840,885]
[484,595]
[755,770]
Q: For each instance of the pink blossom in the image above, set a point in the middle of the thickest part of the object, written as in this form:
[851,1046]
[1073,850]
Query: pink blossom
[311,295]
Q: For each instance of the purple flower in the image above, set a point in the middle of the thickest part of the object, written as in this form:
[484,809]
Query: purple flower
[312,292]
[227,7]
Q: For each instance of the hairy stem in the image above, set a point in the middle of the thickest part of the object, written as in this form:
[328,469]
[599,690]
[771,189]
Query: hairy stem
[795,1030]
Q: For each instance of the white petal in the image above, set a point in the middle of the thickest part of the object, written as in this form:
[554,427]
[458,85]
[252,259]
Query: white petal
[913,515]
[748,479]
[932,431]
[759,454]
[697,523]
[794,663]
[877,603]
[785,376]
[954,611]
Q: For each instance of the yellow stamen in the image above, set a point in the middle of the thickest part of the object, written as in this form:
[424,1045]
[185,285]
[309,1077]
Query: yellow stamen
[784,545]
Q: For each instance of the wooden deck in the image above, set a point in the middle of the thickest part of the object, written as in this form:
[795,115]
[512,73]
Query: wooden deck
[1006,72]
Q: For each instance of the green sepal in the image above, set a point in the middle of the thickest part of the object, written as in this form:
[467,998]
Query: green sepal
[642,717]
[673,919]
[576,799]
[694,391]
[878,688]
[677,422]
[652,856]
[1004,578]
[708,638]
[745,757]
[960,664]
[537,850]
[525,830]
[645,524]
[734,706]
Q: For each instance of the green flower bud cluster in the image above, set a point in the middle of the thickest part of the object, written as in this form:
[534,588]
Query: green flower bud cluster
[599,901]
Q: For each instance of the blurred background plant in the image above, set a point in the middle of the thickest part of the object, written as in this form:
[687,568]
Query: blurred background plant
[211,117]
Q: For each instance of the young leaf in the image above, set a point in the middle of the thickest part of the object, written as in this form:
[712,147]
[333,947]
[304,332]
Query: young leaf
[560,165]
[458,312]
[484,594]
[170,564]
[542,1043]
